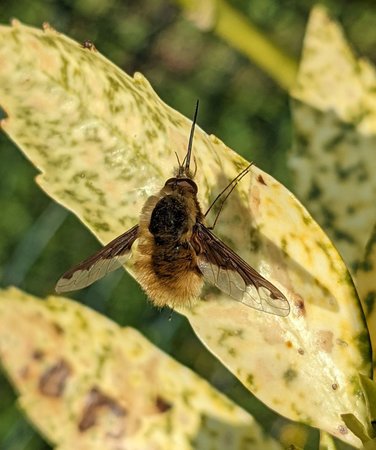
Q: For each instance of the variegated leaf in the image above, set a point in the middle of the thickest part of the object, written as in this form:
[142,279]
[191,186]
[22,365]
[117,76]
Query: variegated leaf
[333,157]
[88,384]
[104,141]
[366,283]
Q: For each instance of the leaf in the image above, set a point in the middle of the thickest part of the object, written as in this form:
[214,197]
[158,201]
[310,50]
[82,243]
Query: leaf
[104,141]
[293,435]
[366,285]
[369,390]
[86,383]
[334,116]
[353,424]
[370,445]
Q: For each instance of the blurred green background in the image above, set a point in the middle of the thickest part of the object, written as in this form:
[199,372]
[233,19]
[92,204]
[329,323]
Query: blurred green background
[240,103]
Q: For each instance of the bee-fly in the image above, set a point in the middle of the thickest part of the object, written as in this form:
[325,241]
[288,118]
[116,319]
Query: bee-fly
[176,252]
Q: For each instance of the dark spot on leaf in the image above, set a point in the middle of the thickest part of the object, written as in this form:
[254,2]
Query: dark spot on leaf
[365,265]
[332,143]
[342,429]
[370,302]
[307,220]
[57,328]
[261,180]
[101,226]
[290,375]
[288,344]
[341,342]
[300,351]
[334,386]
[341,235]
[95,402]
[364,344]
[162,404]
[250,380]
[284,245]
[314,192]
[300,308]
[52,382]
[38,355]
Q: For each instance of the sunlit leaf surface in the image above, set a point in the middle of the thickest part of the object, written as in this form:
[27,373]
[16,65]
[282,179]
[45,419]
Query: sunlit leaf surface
[104,141]
[86,383]
[333,158]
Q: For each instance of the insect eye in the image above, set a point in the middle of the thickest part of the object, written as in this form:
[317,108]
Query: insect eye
[171,182]
[185,183]
[188,184]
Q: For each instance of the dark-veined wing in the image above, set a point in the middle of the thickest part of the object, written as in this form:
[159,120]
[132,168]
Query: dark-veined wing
[225,269]
[110,258]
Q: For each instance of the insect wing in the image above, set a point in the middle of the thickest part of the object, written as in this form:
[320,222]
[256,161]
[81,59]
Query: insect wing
[225,269]
[110,258]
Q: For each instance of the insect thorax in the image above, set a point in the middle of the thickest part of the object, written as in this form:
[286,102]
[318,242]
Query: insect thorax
[169,219]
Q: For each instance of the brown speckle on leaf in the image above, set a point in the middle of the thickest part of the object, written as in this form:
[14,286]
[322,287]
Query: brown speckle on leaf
[300,307]
[288,344]
[342,429]
[300,351]
[261,180]
[96,402]
[324,340]
[52,382]
[334,386]
[341,343]
[38,355]
[162,404]
[57,328]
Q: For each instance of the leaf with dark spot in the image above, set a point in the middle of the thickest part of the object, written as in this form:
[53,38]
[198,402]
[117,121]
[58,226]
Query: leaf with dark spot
[52,382]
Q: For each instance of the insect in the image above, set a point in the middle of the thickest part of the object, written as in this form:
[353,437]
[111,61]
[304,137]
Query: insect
[89,45]
[177,252]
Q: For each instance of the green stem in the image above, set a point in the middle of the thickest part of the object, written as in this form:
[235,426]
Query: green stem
[241,34]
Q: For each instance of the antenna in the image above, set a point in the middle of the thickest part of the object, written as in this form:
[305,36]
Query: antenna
[231,185]
[189,151]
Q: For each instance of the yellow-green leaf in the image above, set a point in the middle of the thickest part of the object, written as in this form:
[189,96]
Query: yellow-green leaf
[86,383]
[333,157]
[370,445]
[356,427]
[104,141]
[366,284]
[369,390]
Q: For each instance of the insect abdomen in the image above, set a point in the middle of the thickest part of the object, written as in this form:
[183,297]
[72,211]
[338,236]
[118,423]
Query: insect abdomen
[166,262]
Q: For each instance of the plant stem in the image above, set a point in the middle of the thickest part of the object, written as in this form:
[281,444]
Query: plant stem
[241,34]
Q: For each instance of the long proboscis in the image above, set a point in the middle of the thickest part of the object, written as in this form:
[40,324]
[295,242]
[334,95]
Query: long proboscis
[187,159]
